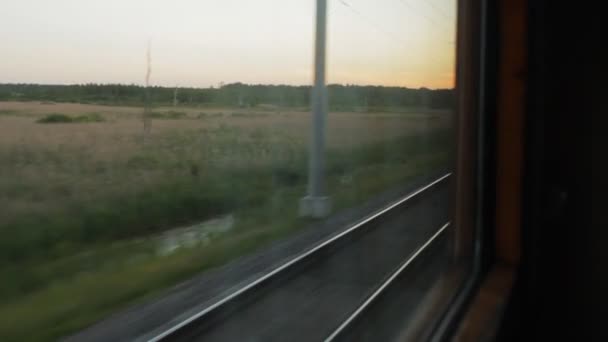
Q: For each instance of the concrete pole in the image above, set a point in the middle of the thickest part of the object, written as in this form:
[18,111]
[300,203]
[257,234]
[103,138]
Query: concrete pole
[317,204]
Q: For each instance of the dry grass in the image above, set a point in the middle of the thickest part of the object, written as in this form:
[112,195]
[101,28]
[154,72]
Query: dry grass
[46,165]
[343,128]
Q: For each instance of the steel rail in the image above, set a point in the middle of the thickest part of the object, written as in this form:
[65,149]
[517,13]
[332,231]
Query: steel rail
[295,260]
[361,309]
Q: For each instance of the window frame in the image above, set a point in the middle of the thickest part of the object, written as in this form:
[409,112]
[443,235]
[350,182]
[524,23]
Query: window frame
[473,192]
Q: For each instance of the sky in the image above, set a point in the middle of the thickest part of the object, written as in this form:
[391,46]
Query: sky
[202,43]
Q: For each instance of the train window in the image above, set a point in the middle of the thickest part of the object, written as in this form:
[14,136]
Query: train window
[228,170]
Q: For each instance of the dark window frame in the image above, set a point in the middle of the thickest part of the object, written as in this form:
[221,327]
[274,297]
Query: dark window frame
[473,185]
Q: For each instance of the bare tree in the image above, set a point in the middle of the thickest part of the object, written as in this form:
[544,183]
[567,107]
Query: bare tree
[175,97]
[147,117]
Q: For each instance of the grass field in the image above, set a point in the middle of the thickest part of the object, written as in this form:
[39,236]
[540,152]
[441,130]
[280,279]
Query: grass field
[89,201]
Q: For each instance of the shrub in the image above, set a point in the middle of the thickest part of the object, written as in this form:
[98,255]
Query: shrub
[62,118]
[56,118]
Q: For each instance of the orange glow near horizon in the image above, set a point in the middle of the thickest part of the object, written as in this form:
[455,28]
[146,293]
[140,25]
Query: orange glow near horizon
[202,43]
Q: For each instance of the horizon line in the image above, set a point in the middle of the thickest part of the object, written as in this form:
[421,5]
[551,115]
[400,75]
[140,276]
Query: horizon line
[223,85]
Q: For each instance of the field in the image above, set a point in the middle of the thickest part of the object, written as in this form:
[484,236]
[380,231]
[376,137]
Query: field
[88,200]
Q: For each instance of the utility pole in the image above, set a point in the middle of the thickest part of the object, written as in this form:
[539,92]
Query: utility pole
[317,204]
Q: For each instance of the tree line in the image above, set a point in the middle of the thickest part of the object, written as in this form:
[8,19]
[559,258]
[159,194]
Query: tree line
[346,97]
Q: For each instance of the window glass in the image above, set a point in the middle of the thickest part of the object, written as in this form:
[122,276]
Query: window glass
[146,143]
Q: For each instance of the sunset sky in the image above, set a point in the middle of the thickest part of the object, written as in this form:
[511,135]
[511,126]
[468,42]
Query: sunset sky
[202,43]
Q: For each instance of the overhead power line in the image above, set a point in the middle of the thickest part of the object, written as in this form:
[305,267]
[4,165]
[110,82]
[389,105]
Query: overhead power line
[376,26]
[424,15]
[396,38]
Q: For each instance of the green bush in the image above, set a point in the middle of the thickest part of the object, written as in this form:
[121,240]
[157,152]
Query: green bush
[62,118]
[56,118]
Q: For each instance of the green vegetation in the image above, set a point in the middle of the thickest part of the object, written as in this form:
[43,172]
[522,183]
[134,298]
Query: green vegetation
[74,291]
[62,118]
[342,97]
[83,217]
[190,189]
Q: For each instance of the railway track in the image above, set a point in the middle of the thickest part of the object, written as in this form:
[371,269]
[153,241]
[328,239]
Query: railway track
[320,293]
